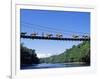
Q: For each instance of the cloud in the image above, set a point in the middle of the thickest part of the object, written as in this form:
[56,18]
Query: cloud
[43,55]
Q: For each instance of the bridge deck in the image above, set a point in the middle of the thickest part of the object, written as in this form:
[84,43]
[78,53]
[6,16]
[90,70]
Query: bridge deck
[54,38]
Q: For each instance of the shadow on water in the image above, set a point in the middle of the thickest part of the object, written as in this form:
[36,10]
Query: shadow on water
[51,65]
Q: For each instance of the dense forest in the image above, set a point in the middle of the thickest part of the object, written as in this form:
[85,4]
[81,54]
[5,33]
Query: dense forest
[79,54]
[28,56]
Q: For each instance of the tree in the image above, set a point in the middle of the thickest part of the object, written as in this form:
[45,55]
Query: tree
[79,53]
[28,56]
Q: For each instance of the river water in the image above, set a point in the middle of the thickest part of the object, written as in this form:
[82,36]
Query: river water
[50,65]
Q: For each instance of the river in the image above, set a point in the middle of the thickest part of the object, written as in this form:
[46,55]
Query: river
[50,65]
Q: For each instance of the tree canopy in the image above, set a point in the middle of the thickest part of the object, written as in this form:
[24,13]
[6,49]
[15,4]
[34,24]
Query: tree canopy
[28,56]
[79,53]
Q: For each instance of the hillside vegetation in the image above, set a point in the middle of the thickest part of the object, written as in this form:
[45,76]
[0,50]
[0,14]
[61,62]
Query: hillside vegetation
[28,56]
[79,53]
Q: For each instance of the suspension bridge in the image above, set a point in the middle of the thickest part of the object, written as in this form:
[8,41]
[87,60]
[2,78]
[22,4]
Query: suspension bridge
[54,38]
[58,34]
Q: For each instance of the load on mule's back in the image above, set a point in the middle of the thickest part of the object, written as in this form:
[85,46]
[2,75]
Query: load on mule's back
[23,33]
[49,35]
[34,34]
[75,36]
[58,35]
[86,36]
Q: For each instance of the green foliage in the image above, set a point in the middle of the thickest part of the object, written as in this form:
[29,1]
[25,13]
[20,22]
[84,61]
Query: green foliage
[28,56]
[79,53]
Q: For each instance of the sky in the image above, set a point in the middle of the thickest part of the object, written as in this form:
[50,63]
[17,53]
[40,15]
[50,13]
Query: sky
[48,21]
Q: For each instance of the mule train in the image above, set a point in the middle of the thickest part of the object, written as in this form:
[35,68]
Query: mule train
[57,35]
